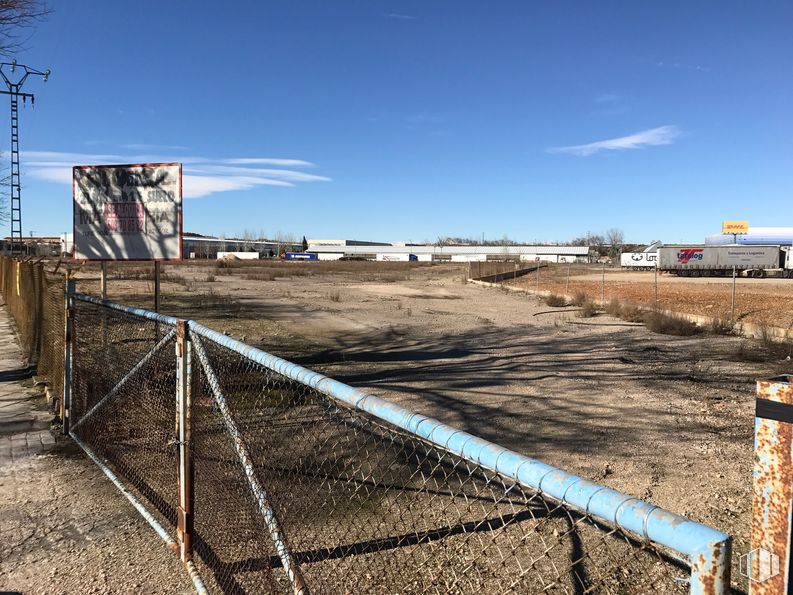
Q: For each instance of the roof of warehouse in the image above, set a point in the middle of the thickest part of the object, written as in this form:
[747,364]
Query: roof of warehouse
[427,249]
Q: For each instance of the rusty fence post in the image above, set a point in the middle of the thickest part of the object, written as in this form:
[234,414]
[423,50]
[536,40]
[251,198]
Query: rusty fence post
[184,527]
[767,564]
[68,354]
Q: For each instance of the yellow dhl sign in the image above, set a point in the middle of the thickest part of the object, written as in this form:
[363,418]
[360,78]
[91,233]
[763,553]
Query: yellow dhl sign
[735,227]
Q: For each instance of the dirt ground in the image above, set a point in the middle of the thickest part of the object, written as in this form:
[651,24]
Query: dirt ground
[66,529]
[668,419]
[762,301]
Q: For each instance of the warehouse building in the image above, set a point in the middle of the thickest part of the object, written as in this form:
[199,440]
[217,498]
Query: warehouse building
[336,249]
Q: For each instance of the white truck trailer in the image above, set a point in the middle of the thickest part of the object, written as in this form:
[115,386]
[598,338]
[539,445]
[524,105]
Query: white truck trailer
[692,260]
[638,261]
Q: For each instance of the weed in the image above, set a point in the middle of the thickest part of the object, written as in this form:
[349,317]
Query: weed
[266,276]
[580,298]
[670,324]
[587,310]
[614,307]
[210,278]
[721,326]
[555,301]
[631,313]
[334,296]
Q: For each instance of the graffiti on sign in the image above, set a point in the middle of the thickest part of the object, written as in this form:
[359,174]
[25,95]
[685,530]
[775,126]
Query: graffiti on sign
[128,212]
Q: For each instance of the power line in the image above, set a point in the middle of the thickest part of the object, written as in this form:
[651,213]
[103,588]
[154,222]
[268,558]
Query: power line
[14,85]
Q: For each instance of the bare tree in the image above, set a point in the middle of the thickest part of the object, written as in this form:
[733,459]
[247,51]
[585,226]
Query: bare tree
[615,238]
[15,17]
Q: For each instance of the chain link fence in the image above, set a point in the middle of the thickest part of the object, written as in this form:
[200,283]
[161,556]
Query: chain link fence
[35,298]
[368,507]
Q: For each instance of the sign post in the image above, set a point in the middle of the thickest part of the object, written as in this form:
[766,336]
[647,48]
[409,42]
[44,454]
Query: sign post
[734,228]
[128,212]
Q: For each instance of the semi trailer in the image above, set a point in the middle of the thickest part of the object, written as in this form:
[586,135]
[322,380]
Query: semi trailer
[694,260]
[638,261]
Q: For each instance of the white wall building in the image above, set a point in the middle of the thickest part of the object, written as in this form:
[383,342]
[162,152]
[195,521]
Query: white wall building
[335,249]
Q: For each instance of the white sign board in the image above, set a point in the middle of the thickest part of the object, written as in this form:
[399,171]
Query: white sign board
[128,212]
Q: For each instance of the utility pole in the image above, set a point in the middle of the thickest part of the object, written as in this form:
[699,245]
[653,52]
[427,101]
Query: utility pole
[14,86]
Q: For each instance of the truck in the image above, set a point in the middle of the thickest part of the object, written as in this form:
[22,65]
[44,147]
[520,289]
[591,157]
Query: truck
[697,260]
[396,257]
[638,261]
[300,256]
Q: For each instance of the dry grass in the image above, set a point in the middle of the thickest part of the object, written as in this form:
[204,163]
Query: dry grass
[587,310]
[670,324]
[721,326]
[580,298]
[555,301]
[614,307]
[334,296]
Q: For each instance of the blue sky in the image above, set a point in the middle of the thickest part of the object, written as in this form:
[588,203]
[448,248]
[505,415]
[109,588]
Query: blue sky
[409,120]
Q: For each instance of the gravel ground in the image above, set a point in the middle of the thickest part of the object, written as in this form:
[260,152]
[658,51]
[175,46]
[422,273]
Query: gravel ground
[64,528]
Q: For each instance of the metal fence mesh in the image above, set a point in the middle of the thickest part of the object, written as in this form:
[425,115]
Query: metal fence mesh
[123,400]
[366,507]
[35,299]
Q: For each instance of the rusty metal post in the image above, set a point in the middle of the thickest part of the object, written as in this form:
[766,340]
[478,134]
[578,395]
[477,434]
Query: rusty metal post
[184,524]
[68,354]
[767,564]
[603,285]
[104,280]
[157,286]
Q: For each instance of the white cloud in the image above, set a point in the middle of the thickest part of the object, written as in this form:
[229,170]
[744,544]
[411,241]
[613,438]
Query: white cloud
[201,176]
[148,147]
[268,161]
[200,186]
[399,17]
[663,135]
[607,98]
[282,174]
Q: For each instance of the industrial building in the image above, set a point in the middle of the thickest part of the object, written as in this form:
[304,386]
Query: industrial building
[196,246]
[336,249]
[782,236]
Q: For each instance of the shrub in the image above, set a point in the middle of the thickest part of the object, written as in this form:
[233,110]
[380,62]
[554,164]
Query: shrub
[580,298]
[210,278]
[721,326]
[614,307]
[334,296]
[670,324]
[631,313]
[588,309]
[555,301]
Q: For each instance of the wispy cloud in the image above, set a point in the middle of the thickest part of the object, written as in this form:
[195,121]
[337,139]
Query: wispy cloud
[268,161]
[663,135]
[607,98]
[682,66]
[202,176]
[148,147]
[399,17]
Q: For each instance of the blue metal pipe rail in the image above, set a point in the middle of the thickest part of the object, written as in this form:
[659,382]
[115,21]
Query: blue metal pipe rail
[707,551]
